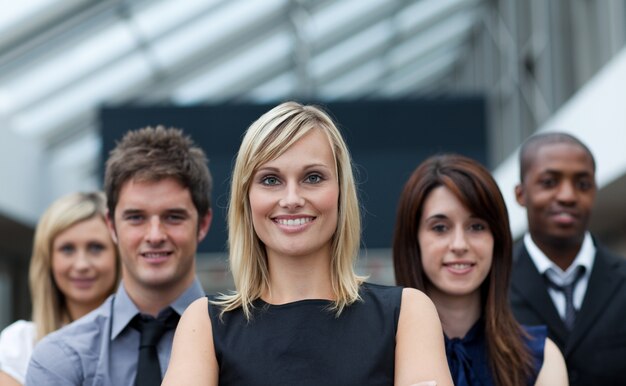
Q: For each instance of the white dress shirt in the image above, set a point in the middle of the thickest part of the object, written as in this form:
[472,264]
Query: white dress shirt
[584,258]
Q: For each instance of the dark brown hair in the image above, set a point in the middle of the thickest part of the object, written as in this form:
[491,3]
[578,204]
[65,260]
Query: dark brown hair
[153,154]
[473,185]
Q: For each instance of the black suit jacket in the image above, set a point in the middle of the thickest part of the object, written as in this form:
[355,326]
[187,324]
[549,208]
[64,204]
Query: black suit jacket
[595,350]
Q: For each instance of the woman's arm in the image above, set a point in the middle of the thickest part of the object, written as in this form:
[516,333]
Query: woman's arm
[7,380]
[420,352]
[193,359]
[553,371]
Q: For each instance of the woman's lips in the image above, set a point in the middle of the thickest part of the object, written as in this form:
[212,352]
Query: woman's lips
[459,268]
[83,283]
[293,224]
[293,221]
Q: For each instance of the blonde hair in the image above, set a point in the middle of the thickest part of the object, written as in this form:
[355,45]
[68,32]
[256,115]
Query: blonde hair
[265,140]
[49,308]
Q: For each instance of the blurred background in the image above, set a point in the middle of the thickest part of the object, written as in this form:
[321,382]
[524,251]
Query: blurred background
[403,78]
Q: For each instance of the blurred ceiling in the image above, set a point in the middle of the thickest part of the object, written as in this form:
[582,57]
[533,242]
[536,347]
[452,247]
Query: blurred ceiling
[61,60]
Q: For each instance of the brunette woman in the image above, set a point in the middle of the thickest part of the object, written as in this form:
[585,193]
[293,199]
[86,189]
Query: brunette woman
[452,241]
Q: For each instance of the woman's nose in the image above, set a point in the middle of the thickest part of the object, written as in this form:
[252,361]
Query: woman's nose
[459,242]
[292,198]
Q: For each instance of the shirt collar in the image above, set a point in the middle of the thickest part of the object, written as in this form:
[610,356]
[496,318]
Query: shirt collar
[192,293]
[584,258]
[124,310]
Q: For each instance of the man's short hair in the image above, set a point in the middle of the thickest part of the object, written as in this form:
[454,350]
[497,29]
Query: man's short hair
[533,143]
[153,154]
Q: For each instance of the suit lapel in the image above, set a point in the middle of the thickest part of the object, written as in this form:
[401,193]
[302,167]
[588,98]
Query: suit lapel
[531,286]
[602,284]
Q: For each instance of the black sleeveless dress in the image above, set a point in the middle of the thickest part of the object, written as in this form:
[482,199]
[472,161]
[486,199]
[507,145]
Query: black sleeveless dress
[304,343]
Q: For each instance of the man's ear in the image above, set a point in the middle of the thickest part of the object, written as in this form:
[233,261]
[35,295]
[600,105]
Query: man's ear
[204,225]
[520,194]
[111,225]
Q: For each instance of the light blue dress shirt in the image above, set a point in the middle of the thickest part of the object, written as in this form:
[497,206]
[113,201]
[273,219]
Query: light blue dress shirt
[101,348]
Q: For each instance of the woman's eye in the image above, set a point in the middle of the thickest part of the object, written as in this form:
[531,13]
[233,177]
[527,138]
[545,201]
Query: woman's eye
[439,228]
[269,180]
[478,227]
[313,179]
[95,248]
[67,249]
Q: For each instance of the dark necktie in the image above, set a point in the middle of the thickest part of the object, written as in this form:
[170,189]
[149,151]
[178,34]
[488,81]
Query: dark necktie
[568,292]
[151,329]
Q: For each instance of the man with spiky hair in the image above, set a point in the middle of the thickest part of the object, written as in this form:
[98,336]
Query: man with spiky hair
[561,276]
[158,196]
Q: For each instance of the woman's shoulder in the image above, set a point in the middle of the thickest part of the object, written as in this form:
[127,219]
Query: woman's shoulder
[404,296]
[536,332]
[378,288]
[199,307]
[553,371]
[417,301]
[535,339]
[387,297]
[548,363]
[394,300]
[195,317]
[16,347]
[372,289]
[18,332]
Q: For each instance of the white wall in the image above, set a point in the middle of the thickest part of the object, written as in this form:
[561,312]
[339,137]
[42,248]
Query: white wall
[20,176]
[72,167]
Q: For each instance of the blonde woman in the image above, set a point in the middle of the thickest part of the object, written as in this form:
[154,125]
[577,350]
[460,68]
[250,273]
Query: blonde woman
[300,314]
[73,269]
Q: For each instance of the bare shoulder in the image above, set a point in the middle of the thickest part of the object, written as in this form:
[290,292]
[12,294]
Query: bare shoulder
[553,371]
[415,301]
[193,338]
[416,310]
[420,353]
[198,309]
[195,324]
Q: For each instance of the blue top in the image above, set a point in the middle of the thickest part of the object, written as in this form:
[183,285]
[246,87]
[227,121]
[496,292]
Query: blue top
[304,343]
[469,362]
[100,348]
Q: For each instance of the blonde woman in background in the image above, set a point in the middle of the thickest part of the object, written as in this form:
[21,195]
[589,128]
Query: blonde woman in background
[73,269]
